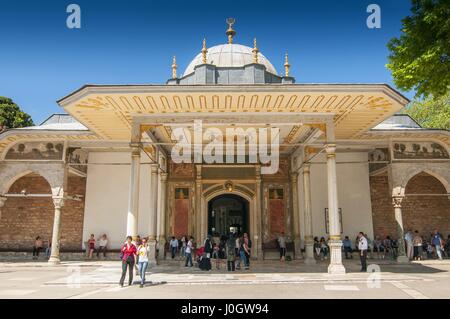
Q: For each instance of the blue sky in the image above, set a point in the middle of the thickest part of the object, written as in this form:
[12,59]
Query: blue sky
[132,42]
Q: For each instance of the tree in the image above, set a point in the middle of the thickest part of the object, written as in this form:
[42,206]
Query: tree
[420,58]
[431,112]
[11,116]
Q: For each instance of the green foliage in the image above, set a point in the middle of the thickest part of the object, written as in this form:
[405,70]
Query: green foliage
[11,116]
[420,58]
[431,113]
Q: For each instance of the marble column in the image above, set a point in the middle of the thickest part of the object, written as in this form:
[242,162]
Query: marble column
[133,192]
[162,216]
[153,229]
[309,241]
[397,202]
[335,242]
[56,235]
[200,236]
[257,237]
[295,215]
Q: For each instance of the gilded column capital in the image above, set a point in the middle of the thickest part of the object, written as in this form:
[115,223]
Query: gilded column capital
[135,149]
[306,168]
[330,149]
[397,201]
[163,177]
[154,168]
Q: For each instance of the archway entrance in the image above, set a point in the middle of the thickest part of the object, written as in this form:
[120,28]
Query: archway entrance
[228,213]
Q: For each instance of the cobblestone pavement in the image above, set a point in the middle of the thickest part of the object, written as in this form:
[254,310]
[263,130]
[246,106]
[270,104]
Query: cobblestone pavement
[268,279]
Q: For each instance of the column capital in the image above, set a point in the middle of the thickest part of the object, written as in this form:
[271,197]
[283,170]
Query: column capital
[163,177]
[58,201]
[135,148]
[330,149]
[306,168]
[397,201]
[154,168]
[294,176]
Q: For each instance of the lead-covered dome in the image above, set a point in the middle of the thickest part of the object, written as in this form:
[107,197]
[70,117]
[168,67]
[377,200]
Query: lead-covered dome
[229,55]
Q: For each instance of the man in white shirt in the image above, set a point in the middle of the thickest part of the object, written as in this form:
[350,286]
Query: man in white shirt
[362,246]
[188,252]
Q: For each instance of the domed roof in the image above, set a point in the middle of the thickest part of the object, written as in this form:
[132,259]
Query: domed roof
[229,55]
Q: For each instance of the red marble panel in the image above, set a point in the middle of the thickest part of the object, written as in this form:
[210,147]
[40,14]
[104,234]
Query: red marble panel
[276,217]
[181,217]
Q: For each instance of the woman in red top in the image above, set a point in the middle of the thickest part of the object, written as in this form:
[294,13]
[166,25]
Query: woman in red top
[129,253]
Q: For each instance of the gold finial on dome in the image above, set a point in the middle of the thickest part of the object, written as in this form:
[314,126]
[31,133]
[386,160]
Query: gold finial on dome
[286,65]
[230,32]
[204,51]
[174,67]
[255,52]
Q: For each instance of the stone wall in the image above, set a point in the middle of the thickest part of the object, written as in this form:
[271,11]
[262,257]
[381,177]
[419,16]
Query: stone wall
[22,218]
[422,213]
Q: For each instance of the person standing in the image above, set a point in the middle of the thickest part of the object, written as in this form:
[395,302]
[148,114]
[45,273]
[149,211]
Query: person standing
[102,242]
[183,247]
[38,245]
[437,243]
[417,243]
[347,243]
[409,237]
[188,252]
[238,244]
[173,246]
[231,253]
[128,252]
[246,245]
[362,246]
[142,252]
[206,260]
[282,244]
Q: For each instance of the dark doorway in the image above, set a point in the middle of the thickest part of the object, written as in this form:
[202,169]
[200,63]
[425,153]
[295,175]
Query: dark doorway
[228,213]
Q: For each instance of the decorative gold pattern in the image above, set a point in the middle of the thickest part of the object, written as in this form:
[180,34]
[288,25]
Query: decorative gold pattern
[204,52]
[174,67]
[230,32]
[255,51]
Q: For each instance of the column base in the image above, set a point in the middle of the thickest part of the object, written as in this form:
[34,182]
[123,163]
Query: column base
[403,259]
[309,254]
[336,269]
[298,251]
[54,260]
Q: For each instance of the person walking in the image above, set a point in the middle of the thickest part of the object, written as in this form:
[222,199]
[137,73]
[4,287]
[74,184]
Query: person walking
[437,242]
[409,238]
[347,243]
[173,246]
[188,252]
[417,243]
[128,252]
[142,253]
[362,246]
[282,244]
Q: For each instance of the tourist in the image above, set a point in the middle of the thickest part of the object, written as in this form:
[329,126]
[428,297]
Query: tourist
[317,249]
[128,252]
[417,243]
[437,242]
[183,247]
[173,246]
[429,250]
[205,263]
[246,245]
[387,244]
[188,252]
[238,244]
[142,253]
[282,244]
[362,246]
[215,255]
[231,252]
[138,241]
[38,246]
[409,238]
[324,248]
[378,245]
[48,250]
[102,242]
[347,243]
[91,246]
